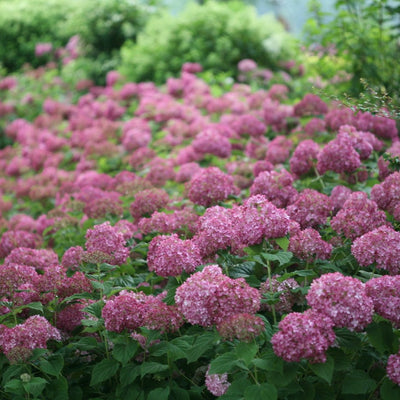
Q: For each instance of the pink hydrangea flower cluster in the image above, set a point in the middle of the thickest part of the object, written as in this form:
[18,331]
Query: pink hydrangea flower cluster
[170,255]
[257,219]
[72,257]
[277,187]
[380,246]
[209,186]
[358,216]
[249,124]
[210,141]
[215,230]
[383,166]
[338,196]
[308,245]
[217,384]
[208,297]
[304,336]
[148,201]
[304,157]
[107,240]
[13,239]
[278,150]
[37,258]
[343,299]
[393,368]
[311,104]
[387,194]
[130,311]
[244,327]
[385,294]
[71,316]
[314,126]
[287,299]
[339,156]
[310,209]
[15,275]
[18,342]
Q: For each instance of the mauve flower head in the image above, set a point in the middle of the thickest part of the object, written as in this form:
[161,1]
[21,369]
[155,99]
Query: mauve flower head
[209,186]
[311,104]
[12,276]
[191,68]
[380,246]
[217,384]
[305,335]
[37,258]
[309,246]
[310,209]
[387,194]
[249,124]
[11,240]
[358,216]
[72,257]
[338,196]
[135,138]
[287,299]
[275,114]
[247,65]
[108,240]
[277,187]
[262,165]
[382,126]
[343,299]
[187,171]
[257,219]
[112,78]
[335,118]
[314,126]
[339,156]
[148,201]
[208,297]
[384,170]
[393,368]
[72,315]
[43,48]
[125,311]
[170,255]
[18,342]
[278,150]
[385,294]
[304,157]
[243,326]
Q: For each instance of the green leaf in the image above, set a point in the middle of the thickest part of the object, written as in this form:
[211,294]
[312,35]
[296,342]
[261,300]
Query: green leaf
[14,386]
[324,370]
[382,337]
[283,257]
[95,309]
[104,370]
[53,365]
[243,270]
[223,363]
[179,393]
[246,352]
[152,368]
[129,373]
[265,391]
[35,386]
[124,352]
[58,389]
[283,243]
[358,382]
[37,306]
[202,343]
[236,389]
[159,394]
[389,390]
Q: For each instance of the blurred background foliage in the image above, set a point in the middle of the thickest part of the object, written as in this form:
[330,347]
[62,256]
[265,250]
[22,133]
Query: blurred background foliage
[349,48]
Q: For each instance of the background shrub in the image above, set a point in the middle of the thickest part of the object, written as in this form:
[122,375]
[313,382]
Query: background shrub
[216,35]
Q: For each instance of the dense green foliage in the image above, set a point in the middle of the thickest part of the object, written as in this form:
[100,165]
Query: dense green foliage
[102,26]
[364,34]
[216,35]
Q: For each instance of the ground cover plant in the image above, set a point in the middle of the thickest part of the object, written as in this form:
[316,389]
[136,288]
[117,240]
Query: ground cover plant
[195,240]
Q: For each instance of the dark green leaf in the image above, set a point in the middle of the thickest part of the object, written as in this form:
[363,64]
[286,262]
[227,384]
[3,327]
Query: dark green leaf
[246,352]
[223,363]
[58,389]
[37,306]
[324,370]
[389,391]
[283,257]
[104,370]
[202,343]
[14,386]
[283,242]
[358,382]
[129,373]
[159,394]
[242,270]
[265,391]
[236,390]
[53,365]
[35,386]
[124,352]
[152,368]
[382,337]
